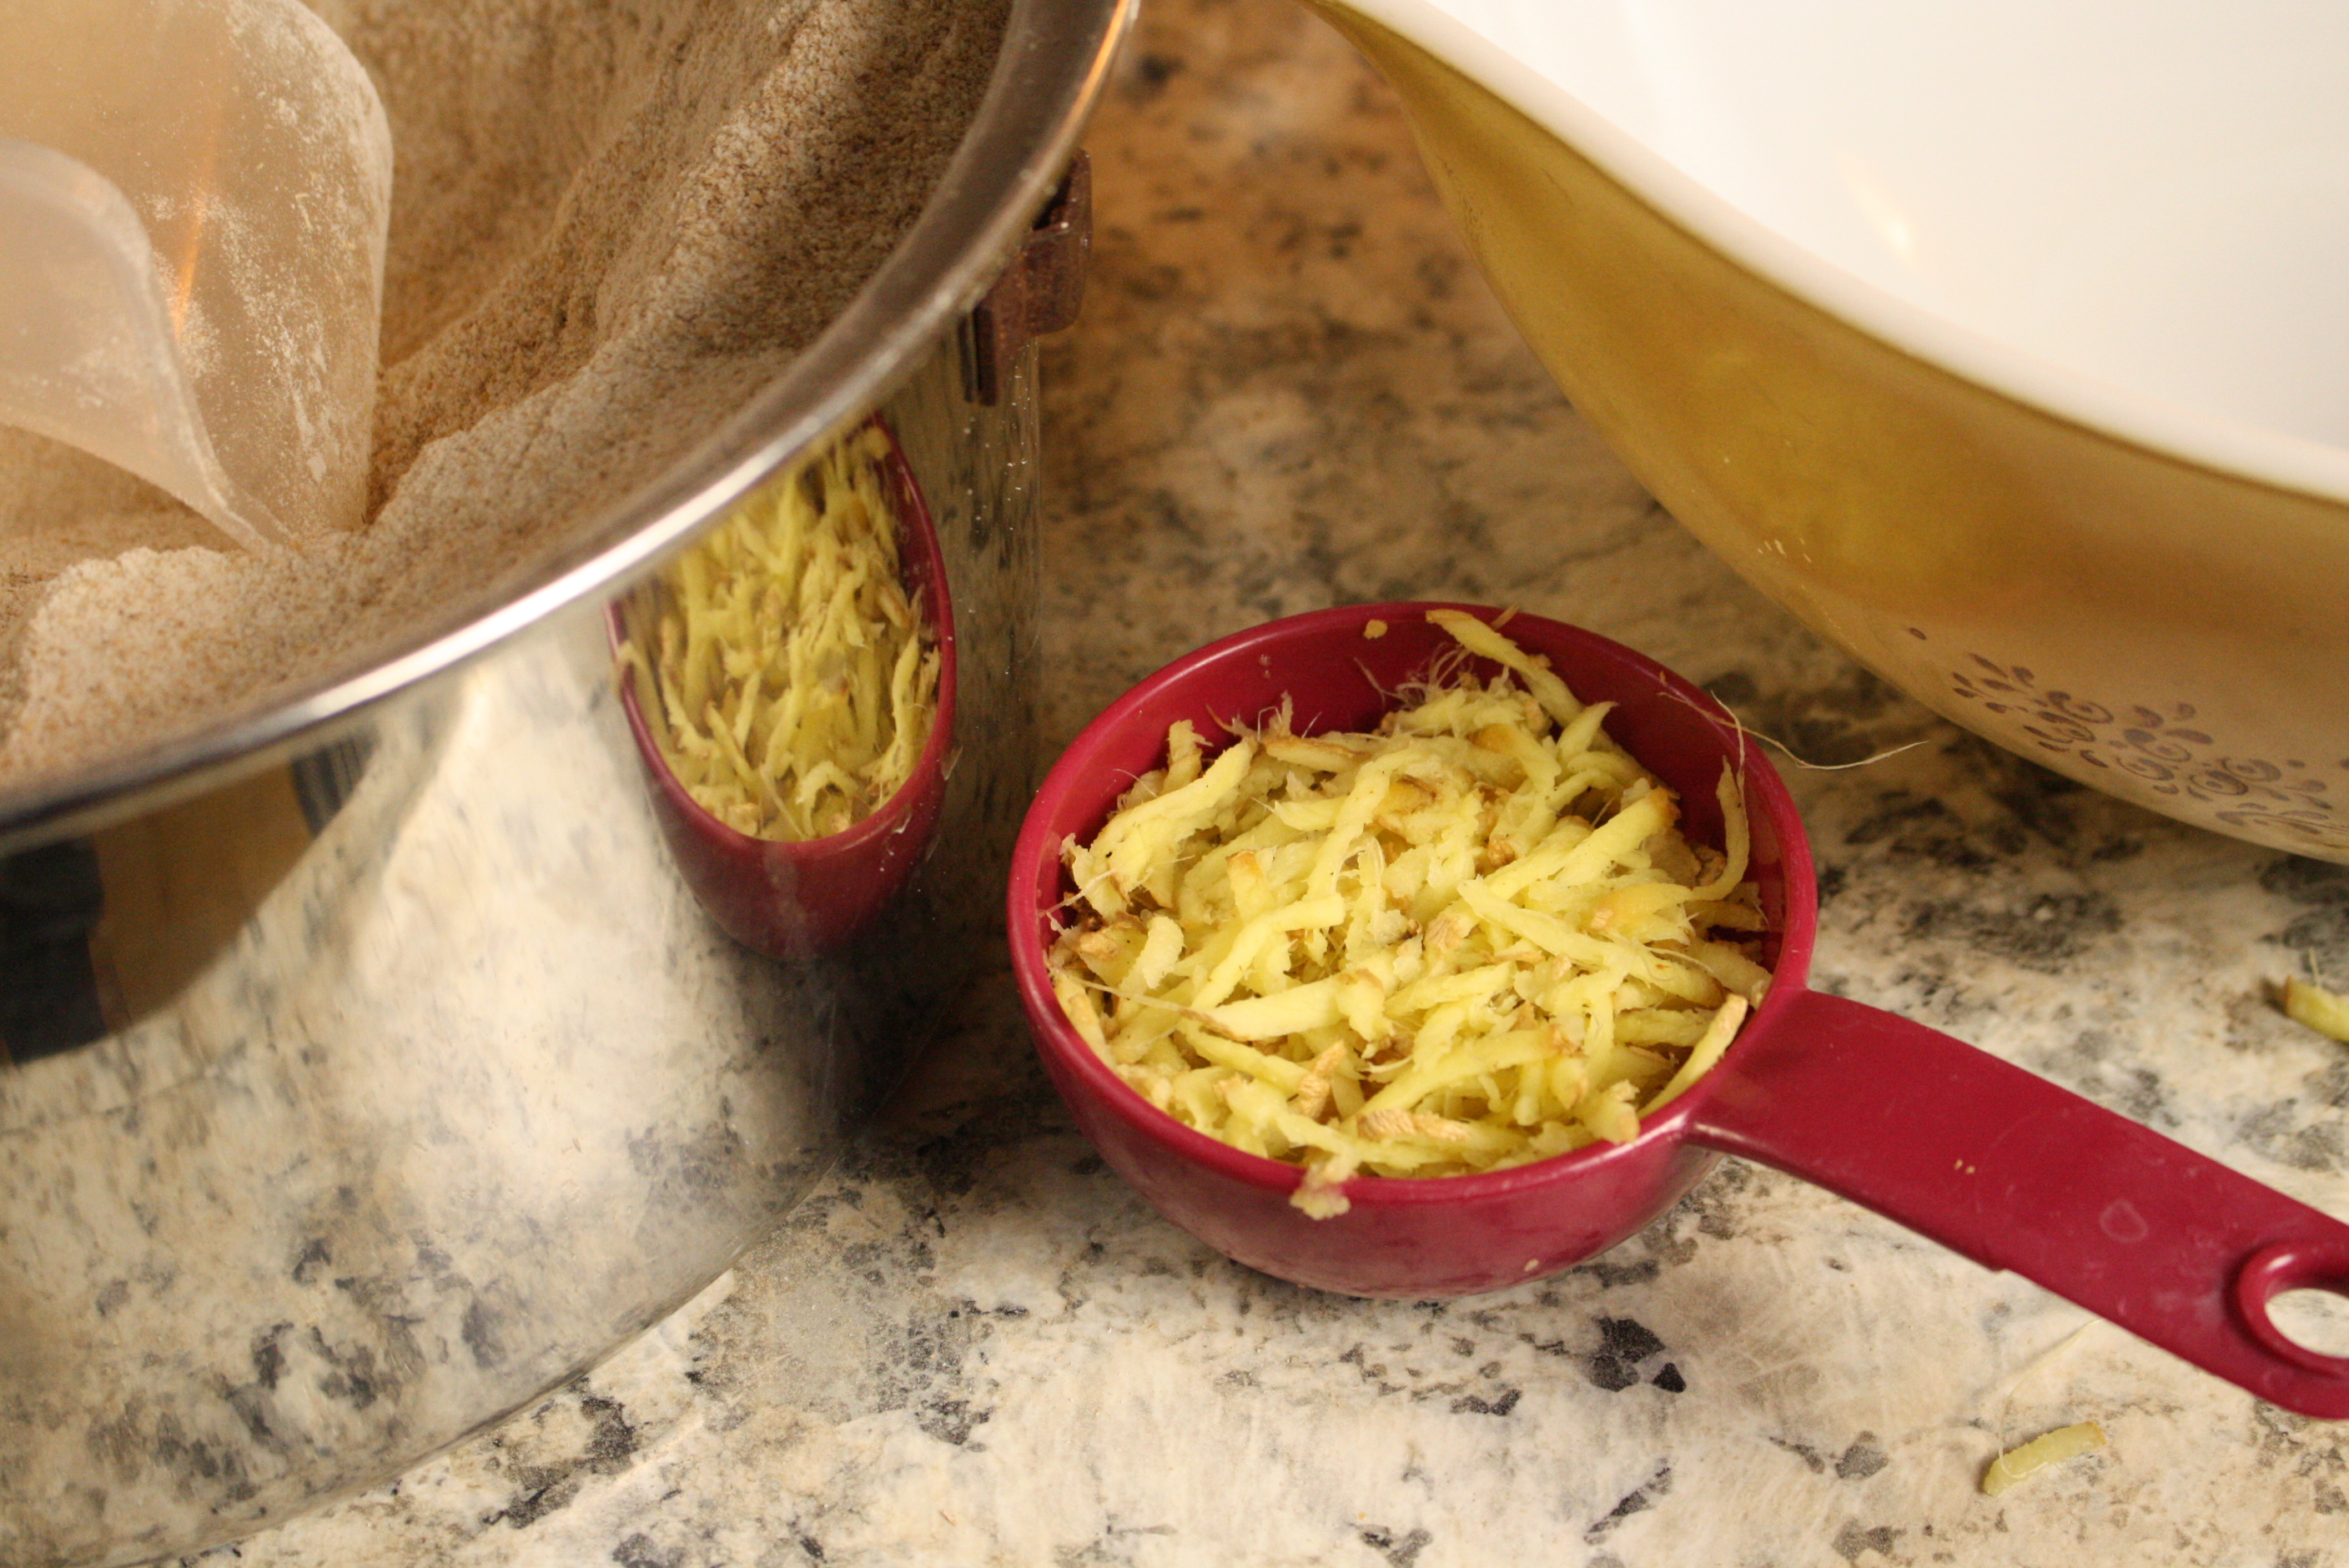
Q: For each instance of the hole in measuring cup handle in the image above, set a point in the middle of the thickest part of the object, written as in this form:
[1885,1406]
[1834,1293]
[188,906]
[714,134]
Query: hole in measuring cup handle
[2284,1266]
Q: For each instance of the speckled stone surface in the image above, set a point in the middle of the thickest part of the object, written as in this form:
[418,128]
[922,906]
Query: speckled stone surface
[976,1345]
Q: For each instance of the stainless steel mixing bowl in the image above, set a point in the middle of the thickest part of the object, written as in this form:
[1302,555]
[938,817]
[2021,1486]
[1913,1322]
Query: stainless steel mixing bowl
[369,1069]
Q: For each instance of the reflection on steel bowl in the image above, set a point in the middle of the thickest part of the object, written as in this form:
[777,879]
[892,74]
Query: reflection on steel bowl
[776,893]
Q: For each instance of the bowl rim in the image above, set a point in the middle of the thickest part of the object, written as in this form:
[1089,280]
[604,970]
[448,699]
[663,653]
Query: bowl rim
[2161,428]
[1034,852]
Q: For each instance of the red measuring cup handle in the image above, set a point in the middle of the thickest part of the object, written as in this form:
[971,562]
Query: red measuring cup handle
[2016,1173]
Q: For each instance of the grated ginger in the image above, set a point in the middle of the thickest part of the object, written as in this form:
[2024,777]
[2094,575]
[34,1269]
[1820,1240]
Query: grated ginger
[793,679]
[2019,1464]
[1472,939]
[2325,1011]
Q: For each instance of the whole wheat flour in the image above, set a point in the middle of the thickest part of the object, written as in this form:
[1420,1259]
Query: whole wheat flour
[611,224]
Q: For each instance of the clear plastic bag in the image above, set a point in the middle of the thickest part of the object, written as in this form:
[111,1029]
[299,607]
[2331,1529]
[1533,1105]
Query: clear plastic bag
[194,198]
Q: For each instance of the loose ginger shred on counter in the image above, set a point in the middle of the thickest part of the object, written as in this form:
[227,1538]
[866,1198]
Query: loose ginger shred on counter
[1472,939]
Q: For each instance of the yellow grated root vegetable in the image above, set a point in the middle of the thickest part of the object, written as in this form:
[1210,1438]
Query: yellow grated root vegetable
[1472,939]
[793,682]
[2018,1464]
[2326,1012]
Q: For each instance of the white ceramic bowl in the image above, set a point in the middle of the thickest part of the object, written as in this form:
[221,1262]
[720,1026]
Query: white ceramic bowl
[2002,343]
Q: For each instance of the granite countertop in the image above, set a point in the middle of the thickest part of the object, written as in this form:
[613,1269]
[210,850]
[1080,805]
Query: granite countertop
[976,1345]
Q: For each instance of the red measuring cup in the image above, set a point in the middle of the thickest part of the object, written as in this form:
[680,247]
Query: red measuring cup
[1985,1158]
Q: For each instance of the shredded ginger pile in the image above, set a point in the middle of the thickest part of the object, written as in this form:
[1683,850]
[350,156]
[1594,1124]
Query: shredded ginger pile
[1472,939]
[796,678]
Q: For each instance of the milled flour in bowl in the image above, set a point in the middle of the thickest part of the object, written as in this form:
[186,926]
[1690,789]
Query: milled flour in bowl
[611,225]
